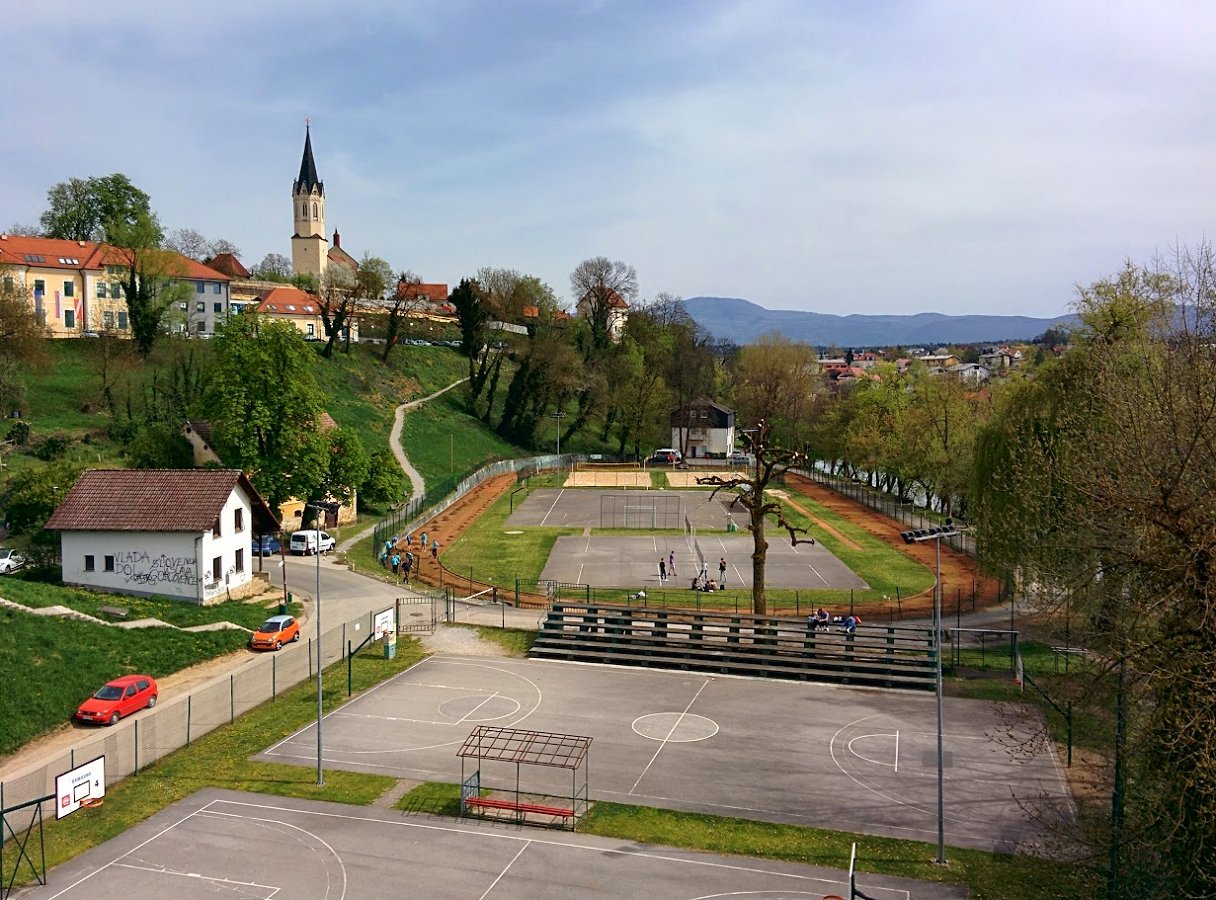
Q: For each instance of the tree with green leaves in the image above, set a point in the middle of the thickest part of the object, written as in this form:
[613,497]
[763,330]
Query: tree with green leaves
[94,209]
[28,500]
[265,408]
[152,277]
[385,481]
[1094,488]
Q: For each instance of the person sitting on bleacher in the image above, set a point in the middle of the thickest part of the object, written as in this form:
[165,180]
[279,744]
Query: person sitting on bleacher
[819,621]
[850,624]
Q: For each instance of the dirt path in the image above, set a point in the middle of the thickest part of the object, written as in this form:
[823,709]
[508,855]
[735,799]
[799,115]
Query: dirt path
[959,571]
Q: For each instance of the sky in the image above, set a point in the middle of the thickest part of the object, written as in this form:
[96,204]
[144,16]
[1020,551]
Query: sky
[855,156]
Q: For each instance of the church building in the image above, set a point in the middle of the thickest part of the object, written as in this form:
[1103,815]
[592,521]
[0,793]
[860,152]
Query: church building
[311,253]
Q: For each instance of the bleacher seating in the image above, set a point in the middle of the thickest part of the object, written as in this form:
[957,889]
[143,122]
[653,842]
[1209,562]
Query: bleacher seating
[889,656]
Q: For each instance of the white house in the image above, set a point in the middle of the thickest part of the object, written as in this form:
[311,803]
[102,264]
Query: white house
[181,533]
[703,429]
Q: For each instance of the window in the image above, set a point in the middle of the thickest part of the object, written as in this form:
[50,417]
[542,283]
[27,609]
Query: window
[304,209]
[200,307]
[39,286]
[217,568]
[109,563]
[200,327]
[217,528]
[117,290]
[217,288]
[312,330]
[122,319]
[101,290]
[69,289]
[240,560]
[107,320]
[35,258]
[314,209]
[238,520]
[200,286]
[219,307]
[69,318]
[89,563]
[183,306]
[8,282]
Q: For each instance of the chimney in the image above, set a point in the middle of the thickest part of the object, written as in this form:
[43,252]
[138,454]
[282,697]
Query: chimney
[81,243]
[337,239]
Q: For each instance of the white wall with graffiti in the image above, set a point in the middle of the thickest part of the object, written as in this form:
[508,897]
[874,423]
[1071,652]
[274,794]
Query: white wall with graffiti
[201,567]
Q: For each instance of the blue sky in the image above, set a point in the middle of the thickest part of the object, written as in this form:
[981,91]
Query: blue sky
[839,157]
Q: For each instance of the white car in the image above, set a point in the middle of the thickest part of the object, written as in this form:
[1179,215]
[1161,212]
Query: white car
[741,458]
[305,543]
[10,560]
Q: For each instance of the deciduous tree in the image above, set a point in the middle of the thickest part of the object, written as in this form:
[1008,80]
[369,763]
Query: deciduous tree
[93,209]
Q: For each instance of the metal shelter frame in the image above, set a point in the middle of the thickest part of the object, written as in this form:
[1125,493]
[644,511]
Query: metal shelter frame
[526,748]
[23,837]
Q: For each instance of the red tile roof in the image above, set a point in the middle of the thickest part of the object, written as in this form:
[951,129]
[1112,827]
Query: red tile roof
[154,500]
[49,253]
[179,266]
[289,301]
[229,265]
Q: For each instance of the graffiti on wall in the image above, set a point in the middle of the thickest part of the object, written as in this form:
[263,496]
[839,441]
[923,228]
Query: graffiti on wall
[141,567]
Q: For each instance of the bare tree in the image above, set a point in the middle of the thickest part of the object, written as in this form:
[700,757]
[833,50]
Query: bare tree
[771,461]
[407,297]
[188,242]
[599,285]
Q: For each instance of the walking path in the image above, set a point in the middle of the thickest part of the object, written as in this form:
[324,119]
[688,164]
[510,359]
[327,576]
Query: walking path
[417,485]
[69,613]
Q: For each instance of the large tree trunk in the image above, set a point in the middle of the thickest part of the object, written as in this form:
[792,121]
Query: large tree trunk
[759,554]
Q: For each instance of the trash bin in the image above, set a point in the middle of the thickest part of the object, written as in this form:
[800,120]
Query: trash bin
[390,645]
[282,609]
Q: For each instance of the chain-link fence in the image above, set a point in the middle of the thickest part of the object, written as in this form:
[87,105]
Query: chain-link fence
[172,724]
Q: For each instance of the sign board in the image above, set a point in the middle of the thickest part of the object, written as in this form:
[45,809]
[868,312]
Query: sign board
[383,623]
[85,782]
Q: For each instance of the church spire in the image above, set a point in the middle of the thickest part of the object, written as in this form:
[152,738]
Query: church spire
[308,180]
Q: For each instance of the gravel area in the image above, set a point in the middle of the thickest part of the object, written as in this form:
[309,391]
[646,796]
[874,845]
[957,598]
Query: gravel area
[459,641]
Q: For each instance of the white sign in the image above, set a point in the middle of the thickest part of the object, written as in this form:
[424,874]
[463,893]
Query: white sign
[86,782]
[383,623]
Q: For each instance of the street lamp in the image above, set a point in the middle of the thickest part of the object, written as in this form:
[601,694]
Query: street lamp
[557,417]
[318,508]
[916,537]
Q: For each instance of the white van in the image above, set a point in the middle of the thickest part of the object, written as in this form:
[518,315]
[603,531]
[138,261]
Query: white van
[305,543]
[666,456]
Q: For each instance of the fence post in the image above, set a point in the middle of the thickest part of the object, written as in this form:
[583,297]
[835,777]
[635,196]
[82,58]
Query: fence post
[274,680]
[136,746]
[189,706]
[231,699]
[310,657]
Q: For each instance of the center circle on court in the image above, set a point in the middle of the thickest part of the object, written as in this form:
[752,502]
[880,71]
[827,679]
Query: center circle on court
[677,728]
[479,707]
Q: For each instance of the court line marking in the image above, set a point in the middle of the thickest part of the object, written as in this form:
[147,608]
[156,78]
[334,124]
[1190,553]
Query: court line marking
[502,836]
[494,883]
[274,750]
[225,881]
[817,575]
[674,726]
[466,716]
[552,505]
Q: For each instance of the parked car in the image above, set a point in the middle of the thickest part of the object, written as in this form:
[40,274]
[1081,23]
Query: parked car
[274,633]
[305,543]
[741,458]
[119,698]
[666,456]
[266,545]
[10,560]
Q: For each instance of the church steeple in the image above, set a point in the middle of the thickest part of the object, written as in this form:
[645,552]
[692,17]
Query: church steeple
[309,248]
[308,168]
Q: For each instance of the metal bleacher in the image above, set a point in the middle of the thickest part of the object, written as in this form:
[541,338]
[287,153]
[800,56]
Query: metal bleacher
[887,656]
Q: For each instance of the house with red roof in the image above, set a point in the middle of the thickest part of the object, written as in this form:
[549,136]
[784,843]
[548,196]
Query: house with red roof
[181,533]
[75,288]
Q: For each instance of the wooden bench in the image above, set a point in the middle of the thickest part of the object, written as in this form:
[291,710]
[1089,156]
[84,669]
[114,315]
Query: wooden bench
[518,807]
[117,612]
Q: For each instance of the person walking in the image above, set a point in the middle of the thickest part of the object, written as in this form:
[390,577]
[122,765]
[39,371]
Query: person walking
[722,572]
[671,563]
[396,562]
[405,568]
[662,571]
[424,540]
[434,549]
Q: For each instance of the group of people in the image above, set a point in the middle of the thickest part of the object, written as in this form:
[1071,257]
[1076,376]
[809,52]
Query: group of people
[820,620]
[701,581]
[403,564]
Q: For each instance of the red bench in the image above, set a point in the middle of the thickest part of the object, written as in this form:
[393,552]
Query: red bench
[539,809]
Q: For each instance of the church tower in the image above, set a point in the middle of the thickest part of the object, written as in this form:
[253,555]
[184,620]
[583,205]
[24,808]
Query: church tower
[309,248]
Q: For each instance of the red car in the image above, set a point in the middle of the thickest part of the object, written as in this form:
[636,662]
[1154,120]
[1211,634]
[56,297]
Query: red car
[119,698]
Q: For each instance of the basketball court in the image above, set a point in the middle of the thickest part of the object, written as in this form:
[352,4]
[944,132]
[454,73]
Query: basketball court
[691,526]
[846,759]
[227,843]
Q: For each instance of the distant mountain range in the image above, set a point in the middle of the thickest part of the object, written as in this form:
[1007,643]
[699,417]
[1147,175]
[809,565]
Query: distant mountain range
[742,321]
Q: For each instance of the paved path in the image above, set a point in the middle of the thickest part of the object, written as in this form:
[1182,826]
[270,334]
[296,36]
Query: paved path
[417,485]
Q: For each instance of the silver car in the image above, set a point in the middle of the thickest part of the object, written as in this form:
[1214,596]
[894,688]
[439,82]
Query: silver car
[10,560]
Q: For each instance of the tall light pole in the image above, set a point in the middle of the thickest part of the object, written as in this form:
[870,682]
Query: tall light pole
[317,508]
[915,537]
[557,417]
